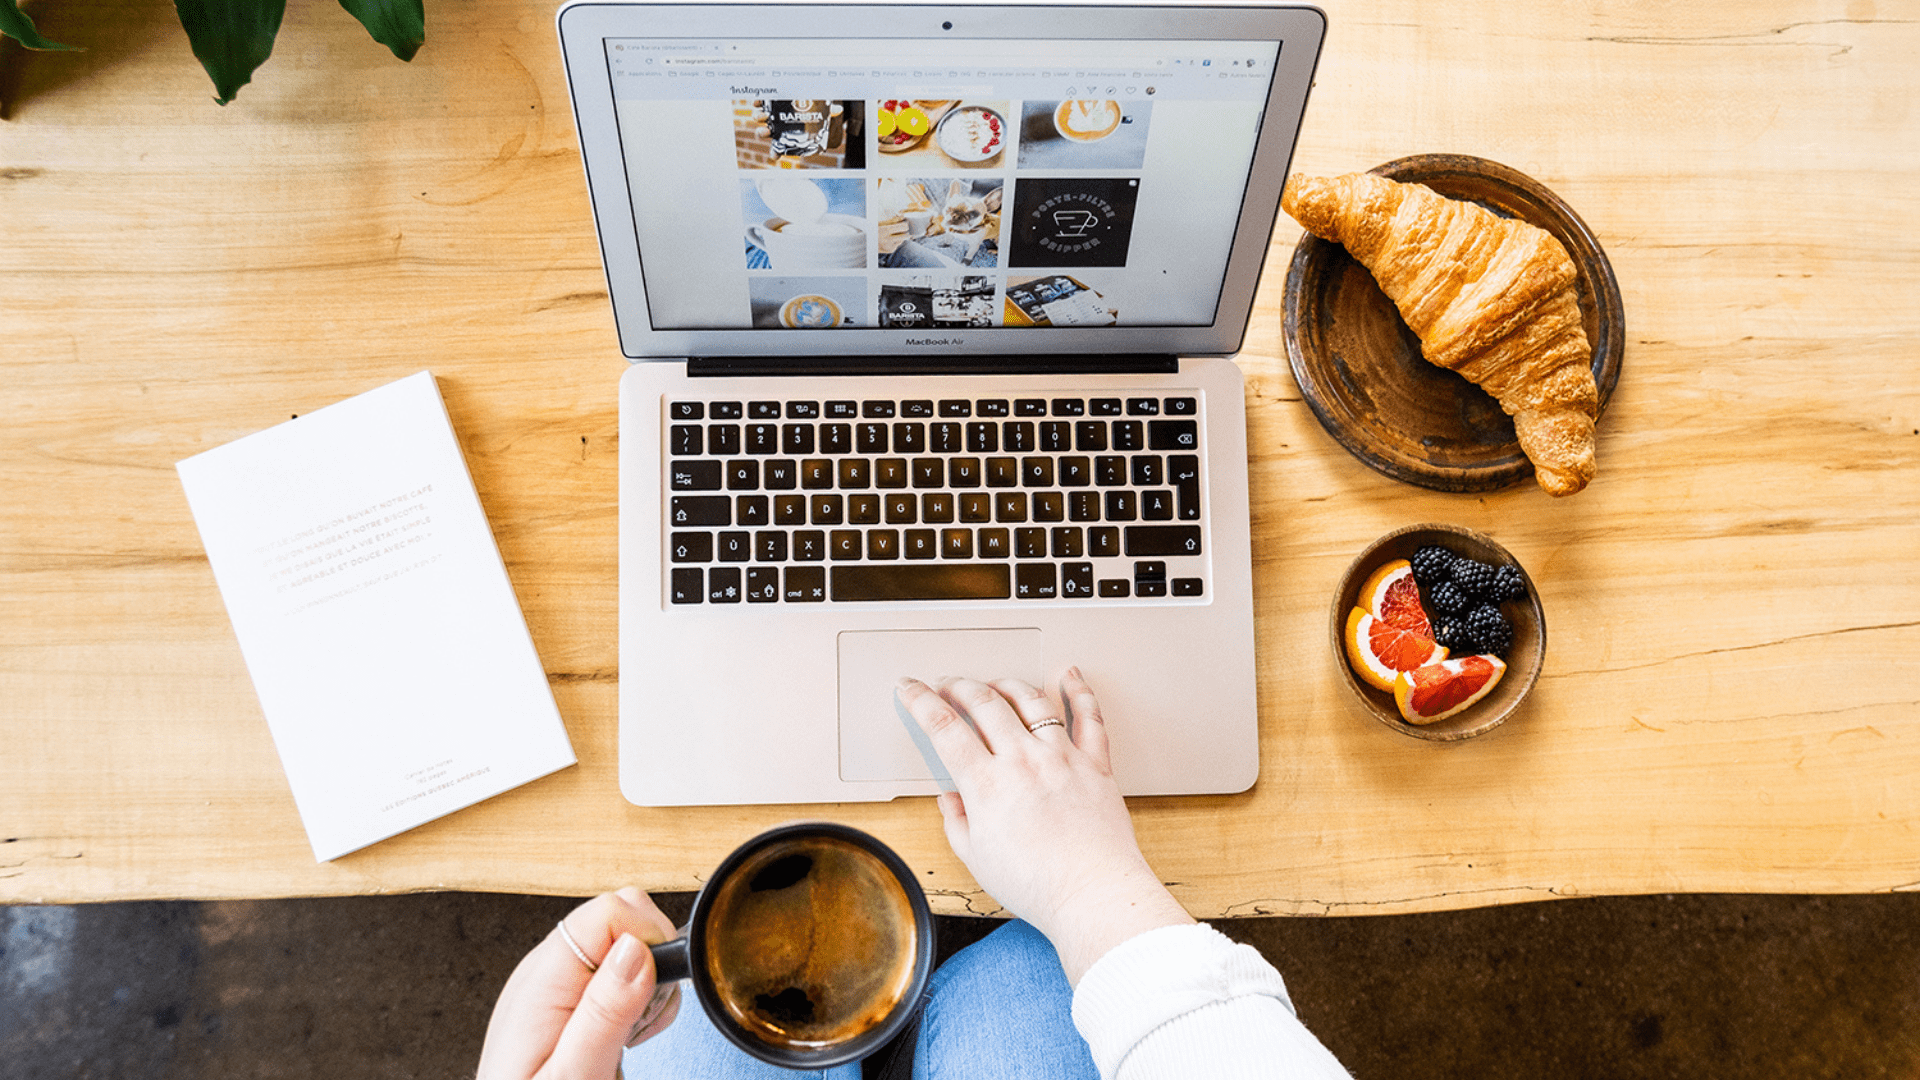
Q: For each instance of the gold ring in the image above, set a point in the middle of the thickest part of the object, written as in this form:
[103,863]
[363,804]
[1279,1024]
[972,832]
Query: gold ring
[1049,722]
[575,946]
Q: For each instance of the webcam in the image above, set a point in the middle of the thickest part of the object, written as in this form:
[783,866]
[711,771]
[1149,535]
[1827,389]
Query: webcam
[946,26]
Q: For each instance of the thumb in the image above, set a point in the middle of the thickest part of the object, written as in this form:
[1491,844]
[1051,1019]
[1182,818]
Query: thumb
[616,999]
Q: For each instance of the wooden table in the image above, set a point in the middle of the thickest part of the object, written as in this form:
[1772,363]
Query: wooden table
[1729,701]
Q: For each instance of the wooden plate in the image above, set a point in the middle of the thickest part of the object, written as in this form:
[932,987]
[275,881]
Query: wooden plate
[1359,366]
[1524,658]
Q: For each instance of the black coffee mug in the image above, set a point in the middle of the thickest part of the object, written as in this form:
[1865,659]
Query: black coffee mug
[809,947]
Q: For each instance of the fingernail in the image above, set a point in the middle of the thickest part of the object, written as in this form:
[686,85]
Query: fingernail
[624,958]
[1073,673]
[906,681]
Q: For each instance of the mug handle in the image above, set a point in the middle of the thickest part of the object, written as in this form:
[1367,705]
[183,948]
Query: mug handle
[670,961]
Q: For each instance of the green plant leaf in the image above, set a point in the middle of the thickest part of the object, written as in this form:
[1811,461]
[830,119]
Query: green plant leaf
[400,25]
[231,38]
[15,24]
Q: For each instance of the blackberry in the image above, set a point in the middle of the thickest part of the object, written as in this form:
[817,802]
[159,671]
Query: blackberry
[1507,585]
[1451,634]
[1432,564]
[1448,598]
[1490,629]
[1473,577]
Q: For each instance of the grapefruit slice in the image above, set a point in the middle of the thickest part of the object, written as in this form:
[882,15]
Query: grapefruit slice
[1391,595]
[1380,651]
[1436,691]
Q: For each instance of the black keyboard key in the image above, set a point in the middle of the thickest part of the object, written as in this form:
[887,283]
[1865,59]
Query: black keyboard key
[1143,406]
[909,438]
[1103,542]
[929,472]
[842,410]
[843,545]
[763,584]
[690,547]
[803,410]
[919,410]
[1076,581]
[1163,540]
[945,438]
[816,474]
[983,437]
[809,545]
[1075,472]
[995,543]
[770,546]
[994,407]
[805,584]
[1049,506]
[1127,435]
[863,509]
[856,473]
[920,544]
[1010,506]
[902,508]
[694,476]
[963,472]
[1030,407]
[826,510]
[1146,470]
[723,585]
[725,410]
[1034,581]
[1183,471]
[1083,506]
[1110,470]
[723,440]
[922,581]
[687,410]
[1018,436]
[749,510]
[1182,406]
[1069,542]
[1151,570]
[1156,505]
[1036,472]
[699,510]
[1109,406]
[836,438]
[1003,472]
[1189,586]
[736,546]
[877,410]
[976,506]
[1056,436]
[883,544]
[1121,506]
[763,438]
[936,507]
[1173,434]
[1069,407]
[796,439]
[743,474]
[1090,436]
[1116,587]
[890,472]
[688,585]
[789,509]
[870,438]
[1030,542]
[780,474]
[956,543]
[763,410]
[685,440]
[1150,588]
[956,408]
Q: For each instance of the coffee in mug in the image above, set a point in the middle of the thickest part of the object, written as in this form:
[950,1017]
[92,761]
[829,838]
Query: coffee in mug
[809,947]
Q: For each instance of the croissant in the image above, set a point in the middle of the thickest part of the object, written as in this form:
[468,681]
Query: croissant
[1490,297]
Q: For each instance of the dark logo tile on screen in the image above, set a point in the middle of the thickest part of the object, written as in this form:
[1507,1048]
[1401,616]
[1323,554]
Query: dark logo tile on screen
[1072,222]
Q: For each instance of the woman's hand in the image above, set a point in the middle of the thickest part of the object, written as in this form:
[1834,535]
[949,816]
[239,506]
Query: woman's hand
[1038,818]
[556,1020]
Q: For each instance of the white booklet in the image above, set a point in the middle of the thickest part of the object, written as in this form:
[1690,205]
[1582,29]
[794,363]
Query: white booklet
[383,637]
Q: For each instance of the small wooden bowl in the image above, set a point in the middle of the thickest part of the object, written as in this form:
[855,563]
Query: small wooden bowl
[1523,659]
[1359,366]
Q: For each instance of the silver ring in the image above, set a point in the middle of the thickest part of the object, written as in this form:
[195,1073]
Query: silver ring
[1048,722]
[575,946]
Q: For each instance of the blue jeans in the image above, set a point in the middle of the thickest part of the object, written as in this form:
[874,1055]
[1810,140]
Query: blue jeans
[1000,1008]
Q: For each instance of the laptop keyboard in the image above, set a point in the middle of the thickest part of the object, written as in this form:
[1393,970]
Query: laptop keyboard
[1069,497]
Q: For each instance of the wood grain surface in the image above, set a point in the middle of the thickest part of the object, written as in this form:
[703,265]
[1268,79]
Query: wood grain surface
[1728,702]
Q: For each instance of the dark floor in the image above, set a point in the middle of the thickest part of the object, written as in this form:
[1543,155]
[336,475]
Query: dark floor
[1661,986]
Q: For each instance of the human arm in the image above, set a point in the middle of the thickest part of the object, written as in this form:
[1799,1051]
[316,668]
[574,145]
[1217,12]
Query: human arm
[557,1020]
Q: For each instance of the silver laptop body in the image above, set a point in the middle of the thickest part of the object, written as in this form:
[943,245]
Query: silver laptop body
[930,373]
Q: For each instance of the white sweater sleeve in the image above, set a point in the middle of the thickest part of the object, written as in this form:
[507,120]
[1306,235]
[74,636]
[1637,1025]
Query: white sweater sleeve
[1186,1001]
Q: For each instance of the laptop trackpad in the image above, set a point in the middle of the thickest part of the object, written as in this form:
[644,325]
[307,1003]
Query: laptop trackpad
[878,741]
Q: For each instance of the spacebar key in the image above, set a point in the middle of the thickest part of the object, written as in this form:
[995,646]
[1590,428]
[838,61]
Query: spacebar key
[957,581]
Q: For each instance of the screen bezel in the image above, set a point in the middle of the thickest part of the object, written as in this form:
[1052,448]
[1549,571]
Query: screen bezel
[585,25]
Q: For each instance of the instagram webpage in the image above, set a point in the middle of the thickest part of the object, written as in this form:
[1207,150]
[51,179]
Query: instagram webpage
[924,185]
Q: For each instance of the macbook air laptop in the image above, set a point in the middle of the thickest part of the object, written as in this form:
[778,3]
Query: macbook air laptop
[930,310]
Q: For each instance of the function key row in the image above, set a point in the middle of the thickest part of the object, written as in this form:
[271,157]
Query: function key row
[928,408]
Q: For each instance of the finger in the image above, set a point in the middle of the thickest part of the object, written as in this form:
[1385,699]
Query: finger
[958,745]
[609,1012]
[1083,711]
[998,724]
[1034,707]
[953,817]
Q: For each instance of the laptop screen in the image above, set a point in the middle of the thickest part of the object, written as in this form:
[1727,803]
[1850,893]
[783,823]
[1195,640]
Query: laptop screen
[935,185]
[895,189]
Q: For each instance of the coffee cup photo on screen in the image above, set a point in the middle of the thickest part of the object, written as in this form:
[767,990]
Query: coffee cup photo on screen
[795,223]
[934,223]
[1070,221]
[797,133]
[1084,133]
[780,302]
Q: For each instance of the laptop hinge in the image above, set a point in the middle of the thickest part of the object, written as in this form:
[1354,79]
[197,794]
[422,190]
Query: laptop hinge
[1087,364]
